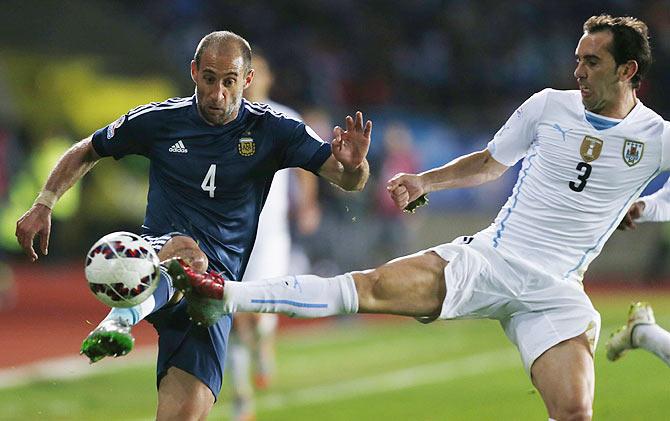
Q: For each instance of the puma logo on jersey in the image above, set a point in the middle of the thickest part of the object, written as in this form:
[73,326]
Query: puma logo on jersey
[178,147]
[563,132]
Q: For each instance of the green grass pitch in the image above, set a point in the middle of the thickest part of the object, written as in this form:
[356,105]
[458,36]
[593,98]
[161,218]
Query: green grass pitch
[391,369]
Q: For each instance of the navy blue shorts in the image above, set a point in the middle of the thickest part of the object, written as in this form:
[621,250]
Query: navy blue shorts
[198,350]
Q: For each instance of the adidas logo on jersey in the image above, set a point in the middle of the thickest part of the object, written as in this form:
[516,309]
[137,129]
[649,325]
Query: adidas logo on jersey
[178,147]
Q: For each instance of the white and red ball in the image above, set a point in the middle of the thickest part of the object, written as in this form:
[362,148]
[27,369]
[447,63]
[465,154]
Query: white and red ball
[122,269]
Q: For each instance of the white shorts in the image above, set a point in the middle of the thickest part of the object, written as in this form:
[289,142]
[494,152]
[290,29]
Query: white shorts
[536,310]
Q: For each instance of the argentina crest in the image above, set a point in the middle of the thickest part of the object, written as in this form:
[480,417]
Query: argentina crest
[591,148]
[632,152]
[246,145]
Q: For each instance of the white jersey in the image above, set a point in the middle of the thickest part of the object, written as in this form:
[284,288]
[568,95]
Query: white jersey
[272,248]
[656,205]
[575,182]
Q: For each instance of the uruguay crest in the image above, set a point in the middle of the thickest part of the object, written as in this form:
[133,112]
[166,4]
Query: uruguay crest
[591,148]
[632,152]
[246,146]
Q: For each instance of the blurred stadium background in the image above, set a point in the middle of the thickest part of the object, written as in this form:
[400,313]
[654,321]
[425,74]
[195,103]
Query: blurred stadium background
[438,78]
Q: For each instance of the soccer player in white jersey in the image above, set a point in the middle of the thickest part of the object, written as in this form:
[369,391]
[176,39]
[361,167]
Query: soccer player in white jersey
[587,155]
[252,341]
[641,330]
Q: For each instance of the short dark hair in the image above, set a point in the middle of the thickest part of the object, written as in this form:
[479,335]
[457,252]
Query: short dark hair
[224,38]
[630,41]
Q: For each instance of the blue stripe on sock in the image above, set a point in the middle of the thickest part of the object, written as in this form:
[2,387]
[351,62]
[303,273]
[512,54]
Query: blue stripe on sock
[289,302]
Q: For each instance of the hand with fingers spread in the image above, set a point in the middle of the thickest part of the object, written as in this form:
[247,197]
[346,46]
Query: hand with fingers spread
[36,221]
[634,212]
[405,188]
[350,146]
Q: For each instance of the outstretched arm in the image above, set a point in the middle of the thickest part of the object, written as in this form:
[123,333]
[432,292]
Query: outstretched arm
[76,162]
[467,171]
[347,166]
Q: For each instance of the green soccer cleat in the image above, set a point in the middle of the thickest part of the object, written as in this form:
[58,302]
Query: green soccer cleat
[640,313]
[111,338]
[203,291]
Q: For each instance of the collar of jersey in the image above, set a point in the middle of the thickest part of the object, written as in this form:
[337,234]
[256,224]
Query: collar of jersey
[601,123]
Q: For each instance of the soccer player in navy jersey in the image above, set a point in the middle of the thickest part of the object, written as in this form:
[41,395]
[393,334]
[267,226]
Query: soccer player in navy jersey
[213,156]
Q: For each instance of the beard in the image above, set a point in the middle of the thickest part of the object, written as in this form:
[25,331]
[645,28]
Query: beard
[218,118]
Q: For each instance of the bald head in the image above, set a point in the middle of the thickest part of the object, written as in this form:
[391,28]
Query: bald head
[224,41]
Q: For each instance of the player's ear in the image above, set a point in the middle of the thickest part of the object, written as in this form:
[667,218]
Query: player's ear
[194,70]
[627,70]
[248,78]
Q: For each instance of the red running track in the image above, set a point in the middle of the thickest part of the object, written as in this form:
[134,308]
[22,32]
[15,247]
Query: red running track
[53,312]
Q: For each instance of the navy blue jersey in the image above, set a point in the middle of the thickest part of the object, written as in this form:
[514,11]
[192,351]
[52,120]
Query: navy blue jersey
[210,182]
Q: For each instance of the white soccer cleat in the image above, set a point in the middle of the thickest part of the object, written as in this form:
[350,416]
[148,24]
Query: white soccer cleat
[640,313]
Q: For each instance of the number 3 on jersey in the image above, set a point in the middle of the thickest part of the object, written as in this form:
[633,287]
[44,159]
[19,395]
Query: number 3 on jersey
[586,168]
[208,182]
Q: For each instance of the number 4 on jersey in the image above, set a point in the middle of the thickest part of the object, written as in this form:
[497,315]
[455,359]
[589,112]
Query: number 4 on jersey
[208,182]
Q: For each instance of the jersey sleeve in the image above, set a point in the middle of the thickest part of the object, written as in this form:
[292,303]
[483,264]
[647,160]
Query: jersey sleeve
[513,139]
[656,205]
[300,146]
[125,136]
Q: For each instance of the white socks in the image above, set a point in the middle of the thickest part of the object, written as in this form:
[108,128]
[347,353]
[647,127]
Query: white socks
[132,315]
[654,339]
[296,296]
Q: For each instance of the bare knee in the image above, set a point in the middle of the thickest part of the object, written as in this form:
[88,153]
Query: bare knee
[181,396]
[573,409]
[187,409]
[564,376]
[187,249]
[576,405]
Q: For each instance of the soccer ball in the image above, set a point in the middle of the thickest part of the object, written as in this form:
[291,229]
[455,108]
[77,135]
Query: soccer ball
[122,269]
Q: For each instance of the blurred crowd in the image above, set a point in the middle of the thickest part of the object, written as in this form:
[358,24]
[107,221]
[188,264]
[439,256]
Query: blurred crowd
[437,78]
[463,61]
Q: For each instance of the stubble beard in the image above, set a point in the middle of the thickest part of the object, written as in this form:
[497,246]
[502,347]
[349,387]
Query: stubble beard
[218,119]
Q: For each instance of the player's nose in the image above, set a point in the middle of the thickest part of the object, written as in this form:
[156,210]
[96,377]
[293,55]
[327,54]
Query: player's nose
[219,93]
[579,72]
